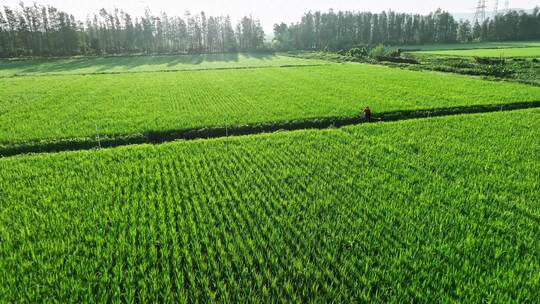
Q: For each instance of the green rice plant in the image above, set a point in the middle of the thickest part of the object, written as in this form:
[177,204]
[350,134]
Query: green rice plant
[141,64]
[521,52]
[63,108]
[470,46]
[431,210]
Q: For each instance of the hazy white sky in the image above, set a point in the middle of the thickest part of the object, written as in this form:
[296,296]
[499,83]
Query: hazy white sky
[269,12]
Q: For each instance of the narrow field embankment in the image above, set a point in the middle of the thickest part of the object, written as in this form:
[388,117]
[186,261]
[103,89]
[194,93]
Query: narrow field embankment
[159,137]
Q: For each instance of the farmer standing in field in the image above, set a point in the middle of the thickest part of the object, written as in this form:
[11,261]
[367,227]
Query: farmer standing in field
[367,114]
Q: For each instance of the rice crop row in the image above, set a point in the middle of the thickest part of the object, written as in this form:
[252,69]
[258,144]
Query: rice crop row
[53,108]
[470,46]
[521,52]
[127,64]
[435,210]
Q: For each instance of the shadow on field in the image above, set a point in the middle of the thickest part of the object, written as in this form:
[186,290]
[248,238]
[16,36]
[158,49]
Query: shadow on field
[158,137]
[124,63]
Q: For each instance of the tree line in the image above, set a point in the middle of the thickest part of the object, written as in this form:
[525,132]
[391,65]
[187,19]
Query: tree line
[512,25]
[39,30]
[345,29]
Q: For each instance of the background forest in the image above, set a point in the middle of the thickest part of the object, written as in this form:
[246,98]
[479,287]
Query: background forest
[47,31]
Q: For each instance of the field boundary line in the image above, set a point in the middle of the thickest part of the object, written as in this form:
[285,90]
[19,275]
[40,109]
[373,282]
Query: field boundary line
[159,137]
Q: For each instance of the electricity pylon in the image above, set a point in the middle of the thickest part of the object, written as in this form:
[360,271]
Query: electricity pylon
[480,15]
[481,6]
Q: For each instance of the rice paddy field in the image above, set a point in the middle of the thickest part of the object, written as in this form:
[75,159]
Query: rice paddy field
[134,64]
[52,108]
[433,210]
[520,52]
[470,46]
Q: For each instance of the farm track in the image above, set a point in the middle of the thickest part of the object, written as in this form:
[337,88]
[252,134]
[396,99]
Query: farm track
[165,71]
[158,137]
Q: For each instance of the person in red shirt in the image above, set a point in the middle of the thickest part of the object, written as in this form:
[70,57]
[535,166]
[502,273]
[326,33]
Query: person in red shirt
[367,114]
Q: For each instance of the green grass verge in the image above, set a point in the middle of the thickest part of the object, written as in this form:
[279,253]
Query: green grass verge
[435,210]
[529,52]
[34,109]
[127,64]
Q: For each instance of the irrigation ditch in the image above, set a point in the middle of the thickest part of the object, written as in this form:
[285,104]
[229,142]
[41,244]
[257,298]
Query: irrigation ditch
[159,137]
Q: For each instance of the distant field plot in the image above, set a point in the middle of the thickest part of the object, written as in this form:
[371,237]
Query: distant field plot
[90,65]
[472,46]
[65,107]
[435,210]
[533,52]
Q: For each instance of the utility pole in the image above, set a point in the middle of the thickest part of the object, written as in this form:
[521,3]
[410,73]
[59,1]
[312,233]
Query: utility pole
[97,136]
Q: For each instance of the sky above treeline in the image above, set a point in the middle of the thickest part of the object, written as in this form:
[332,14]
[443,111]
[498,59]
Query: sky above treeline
[270,11]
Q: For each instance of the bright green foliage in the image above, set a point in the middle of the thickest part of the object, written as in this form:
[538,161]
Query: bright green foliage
[436,210]
[504,52]
[125,64]
[471,46]
[59,107]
